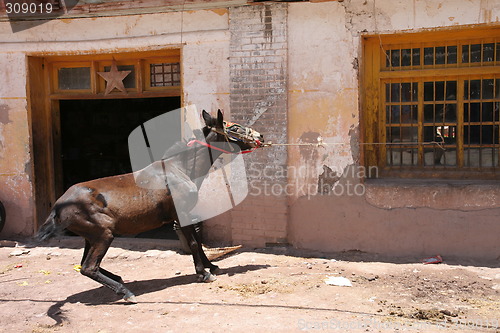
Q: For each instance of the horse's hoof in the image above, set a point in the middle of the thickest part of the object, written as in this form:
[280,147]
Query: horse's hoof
[209,278]
[130,298]
[215,270]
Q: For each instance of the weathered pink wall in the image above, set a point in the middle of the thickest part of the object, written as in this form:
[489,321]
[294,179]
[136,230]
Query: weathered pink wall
[398,218]
[16,191]
[352,223]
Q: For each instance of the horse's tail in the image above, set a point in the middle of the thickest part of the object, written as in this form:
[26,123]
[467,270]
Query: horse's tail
[50,228]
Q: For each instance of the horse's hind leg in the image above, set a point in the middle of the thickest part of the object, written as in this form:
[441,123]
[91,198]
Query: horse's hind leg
[115,277]
[90,267]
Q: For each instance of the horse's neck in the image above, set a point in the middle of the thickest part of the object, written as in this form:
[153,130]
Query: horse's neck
[203,160]
[195,162]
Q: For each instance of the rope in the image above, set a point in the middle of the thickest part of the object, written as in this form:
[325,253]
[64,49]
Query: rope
[322,144]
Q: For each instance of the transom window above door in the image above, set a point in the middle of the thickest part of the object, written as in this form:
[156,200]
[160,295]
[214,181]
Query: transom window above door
[148,74]
[432,106]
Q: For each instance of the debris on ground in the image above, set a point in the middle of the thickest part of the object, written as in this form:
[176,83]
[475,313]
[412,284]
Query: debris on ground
[338,281]
[432,260]
[217,252]
[19,252]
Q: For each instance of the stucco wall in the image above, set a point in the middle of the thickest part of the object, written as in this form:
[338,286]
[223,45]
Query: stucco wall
[323,57]
[323,90]
[16,187]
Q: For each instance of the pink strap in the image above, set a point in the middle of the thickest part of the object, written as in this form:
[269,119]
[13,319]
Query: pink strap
[192,142]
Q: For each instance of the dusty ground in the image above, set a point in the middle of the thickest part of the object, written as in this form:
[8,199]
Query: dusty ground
[272,290]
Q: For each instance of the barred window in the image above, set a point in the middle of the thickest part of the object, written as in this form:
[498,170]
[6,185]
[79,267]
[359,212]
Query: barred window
[432,106]
[165,74]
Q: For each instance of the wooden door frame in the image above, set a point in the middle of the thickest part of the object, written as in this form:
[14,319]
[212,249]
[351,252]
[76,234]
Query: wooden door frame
[44,115]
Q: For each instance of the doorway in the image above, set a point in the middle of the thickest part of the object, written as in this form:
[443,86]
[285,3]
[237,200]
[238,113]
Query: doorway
[94,139]
[94,134]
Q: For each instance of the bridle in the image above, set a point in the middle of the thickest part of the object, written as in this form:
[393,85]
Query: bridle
[232,132]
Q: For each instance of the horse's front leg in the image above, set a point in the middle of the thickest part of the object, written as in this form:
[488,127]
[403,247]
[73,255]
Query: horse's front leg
[214,269]
[198,255]
[185,196]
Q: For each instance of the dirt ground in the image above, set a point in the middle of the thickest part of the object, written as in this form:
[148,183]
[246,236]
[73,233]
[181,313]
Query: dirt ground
[266,290]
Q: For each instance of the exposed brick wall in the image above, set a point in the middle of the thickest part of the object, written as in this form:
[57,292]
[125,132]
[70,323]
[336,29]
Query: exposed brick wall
[258,73]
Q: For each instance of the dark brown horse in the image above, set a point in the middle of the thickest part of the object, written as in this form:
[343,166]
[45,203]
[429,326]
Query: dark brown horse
[100,209]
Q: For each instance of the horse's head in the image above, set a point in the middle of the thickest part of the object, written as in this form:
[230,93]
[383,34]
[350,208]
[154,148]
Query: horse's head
[227,134]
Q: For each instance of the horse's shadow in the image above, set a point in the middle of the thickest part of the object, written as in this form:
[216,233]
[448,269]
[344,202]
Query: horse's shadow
[103,295]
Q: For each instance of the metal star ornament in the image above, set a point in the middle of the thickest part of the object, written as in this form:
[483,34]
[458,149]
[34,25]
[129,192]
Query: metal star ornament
[114,78]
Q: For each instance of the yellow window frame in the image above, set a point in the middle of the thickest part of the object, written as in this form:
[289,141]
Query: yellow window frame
[376,73]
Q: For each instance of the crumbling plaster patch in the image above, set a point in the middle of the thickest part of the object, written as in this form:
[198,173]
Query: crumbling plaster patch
[16,187]
[4,114]
[323,97]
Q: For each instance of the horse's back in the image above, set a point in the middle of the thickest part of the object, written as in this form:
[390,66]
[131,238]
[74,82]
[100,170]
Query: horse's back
[118,203]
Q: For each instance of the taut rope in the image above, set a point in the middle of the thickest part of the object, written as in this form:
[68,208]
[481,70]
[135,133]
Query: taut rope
[322,144]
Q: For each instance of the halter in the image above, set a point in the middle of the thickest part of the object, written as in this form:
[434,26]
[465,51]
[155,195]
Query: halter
[236,133]
[232,132]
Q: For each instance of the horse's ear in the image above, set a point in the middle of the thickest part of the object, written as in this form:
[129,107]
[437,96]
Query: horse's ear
[207,117]
[220,119]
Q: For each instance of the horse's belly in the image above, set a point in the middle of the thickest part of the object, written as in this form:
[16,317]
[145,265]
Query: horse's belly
[142,214]
[130,225]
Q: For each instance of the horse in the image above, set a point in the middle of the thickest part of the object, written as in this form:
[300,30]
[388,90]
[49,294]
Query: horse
[100,209]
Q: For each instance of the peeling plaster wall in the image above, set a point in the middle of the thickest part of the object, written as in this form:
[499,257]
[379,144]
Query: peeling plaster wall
[323,92]
[16,190]
[388,16]
[395,218]
[206,75]
[126,29]
[205,40]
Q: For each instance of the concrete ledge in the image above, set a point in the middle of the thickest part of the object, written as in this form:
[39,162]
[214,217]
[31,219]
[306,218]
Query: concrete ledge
[463,195]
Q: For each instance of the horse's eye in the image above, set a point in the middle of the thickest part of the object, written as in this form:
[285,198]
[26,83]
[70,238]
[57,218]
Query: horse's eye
[236,129]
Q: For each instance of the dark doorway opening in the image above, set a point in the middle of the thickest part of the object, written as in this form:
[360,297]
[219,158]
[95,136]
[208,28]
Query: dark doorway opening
[94,138]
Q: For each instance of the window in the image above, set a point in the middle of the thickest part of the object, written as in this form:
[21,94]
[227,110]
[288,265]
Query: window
[165,75]
[431,104]
[74,78]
